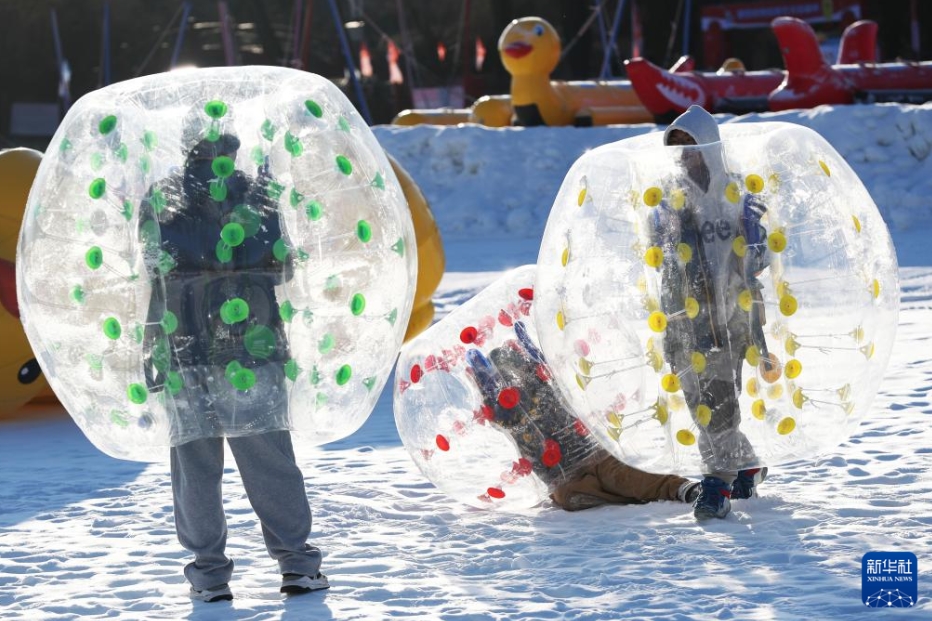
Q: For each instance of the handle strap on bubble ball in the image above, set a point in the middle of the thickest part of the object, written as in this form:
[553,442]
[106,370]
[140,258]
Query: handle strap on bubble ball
[484,374]
[529,347]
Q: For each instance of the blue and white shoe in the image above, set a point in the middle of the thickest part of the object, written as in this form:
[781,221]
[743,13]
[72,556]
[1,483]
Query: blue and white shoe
[745,486]
[714,500]
[220,593]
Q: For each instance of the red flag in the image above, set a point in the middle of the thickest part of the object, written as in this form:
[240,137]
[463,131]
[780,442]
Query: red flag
[394,72]
[365,61]
[441,51]
[480,53]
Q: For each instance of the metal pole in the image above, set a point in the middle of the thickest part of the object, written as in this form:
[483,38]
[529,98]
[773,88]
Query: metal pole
[63,70]
[182,26]
[348,57]
[105,47]
[602,34]
[687,20]
[225,34]
[606,71]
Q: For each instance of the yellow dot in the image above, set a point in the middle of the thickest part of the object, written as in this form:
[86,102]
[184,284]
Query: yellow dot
[754,183]
[581,381]
[875,288]
[676,401]
[614,432]
[868,351]
[753,387]
[759,409]
[776,241]
[857,334]
[685,437]
[825,169]
[657,321]
[793,368]
[786,425]
[692,307]
[791,345]
[788,305]
[857,224]
[661,414]
[799,398]
[565,257]
[732,193]
[698,362]
[670,382]
[584,365]
[745,301]
[654,256]
[775,392]
[770,368]
[684,252]
[652,196]
[783,288]
[654,360]
[740,246]
[642,284]
[752,355]
[613,419]
[561,320]
[678,198]
[581,197]
[703,415]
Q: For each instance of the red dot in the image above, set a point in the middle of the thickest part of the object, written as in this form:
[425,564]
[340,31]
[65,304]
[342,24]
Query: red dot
[543,373]
[505,319]
[581,347]
[552,454]
[469,334]
[484,414]
[459,428]
[526,294]
[495,492]
[509,397]
[581,429]
[442,443]
[416,373]
[430,363]
[522,467]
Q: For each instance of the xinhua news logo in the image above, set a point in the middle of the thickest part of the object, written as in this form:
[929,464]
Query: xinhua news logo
[889,579]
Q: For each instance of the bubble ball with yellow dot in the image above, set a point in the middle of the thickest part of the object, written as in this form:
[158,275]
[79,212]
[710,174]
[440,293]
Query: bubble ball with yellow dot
[215,252]
[744,293]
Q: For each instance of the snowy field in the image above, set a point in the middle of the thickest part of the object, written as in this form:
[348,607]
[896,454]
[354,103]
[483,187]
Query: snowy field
[85,536]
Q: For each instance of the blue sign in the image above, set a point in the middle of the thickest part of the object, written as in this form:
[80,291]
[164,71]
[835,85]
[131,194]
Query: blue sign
[889,579]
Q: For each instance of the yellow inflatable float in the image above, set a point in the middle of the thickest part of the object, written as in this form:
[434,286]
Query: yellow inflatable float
[490,110]
[21,379]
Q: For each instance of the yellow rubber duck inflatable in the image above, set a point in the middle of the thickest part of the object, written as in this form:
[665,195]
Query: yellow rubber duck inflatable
[21,379]
[530,50]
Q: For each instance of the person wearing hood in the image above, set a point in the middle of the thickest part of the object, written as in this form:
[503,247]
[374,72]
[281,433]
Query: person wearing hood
[216,349]
[704,272]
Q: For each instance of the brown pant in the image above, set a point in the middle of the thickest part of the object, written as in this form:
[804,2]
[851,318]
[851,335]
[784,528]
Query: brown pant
[610,481]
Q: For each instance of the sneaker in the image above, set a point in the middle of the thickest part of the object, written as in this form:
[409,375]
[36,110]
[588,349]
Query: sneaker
[745,486]
[688,491]
[713,500]
[221,593]
[295,584]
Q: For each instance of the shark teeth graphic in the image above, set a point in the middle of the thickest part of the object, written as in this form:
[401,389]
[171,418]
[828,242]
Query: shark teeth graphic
[679,92]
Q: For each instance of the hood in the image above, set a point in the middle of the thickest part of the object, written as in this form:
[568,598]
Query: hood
[697,123]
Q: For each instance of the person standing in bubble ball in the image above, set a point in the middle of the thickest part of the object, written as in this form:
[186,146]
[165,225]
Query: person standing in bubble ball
[551,440]
[215,351]
[708,333]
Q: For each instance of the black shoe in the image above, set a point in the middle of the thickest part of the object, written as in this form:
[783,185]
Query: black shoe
[745,486]
[714,500]
[295,584]
[220,593]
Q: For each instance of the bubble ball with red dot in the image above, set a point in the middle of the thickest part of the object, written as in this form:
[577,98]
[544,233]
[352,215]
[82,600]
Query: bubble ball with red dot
[476,406]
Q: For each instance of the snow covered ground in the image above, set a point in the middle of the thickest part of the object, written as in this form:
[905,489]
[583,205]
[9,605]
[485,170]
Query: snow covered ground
[86,536]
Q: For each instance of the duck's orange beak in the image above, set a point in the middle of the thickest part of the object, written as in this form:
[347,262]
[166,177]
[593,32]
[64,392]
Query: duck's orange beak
[518,49]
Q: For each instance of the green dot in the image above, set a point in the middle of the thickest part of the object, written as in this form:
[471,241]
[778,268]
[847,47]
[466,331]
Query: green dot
[333,282]
[268,129]
[326,344]
[392,317]
[95,362]
[97,188]
[218,190]
[174,383]
[292,370]
[379,181]
[149,140]
[232,369]
[234,311]
[145,164]
[286,311]
[65,145]
[97,161]
[223,166]
[215,109]
[344,374]
[314,210]
[345,166]
[369,382]
[139,332]
[157,200]
[122,152]
[107,124]
[321,400]
[364,231]
[257,156]
[233,234]
[137,393]
[244,379]
[77,294]
[314,108]
[119,418]
[248,218]
[166,262]
[295,198]
[161,355]
[260,341]
[293,145]
[358,304]
[169,322]
[94,257]
[127,210]
[399,247]
[314,377]
[274,190]
[112,328]
[343,124]
[213,133]
[280,250]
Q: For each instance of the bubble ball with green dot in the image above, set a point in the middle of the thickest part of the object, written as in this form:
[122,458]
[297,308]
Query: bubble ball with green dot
[230,237]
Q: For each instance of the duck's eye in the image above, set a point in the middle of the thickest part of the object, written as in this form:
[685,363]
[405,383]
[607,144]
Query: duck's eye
[29,372]
[539,30]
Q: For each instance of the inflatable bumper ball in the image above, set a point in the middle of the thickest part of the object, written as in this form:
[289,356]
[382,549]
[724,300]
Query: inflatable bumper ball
[476,407]
[216,252]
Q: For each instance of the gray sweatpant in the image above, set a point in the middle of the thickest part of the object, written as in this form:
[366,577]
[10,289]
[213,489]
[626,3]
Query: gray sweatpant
[275,487]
